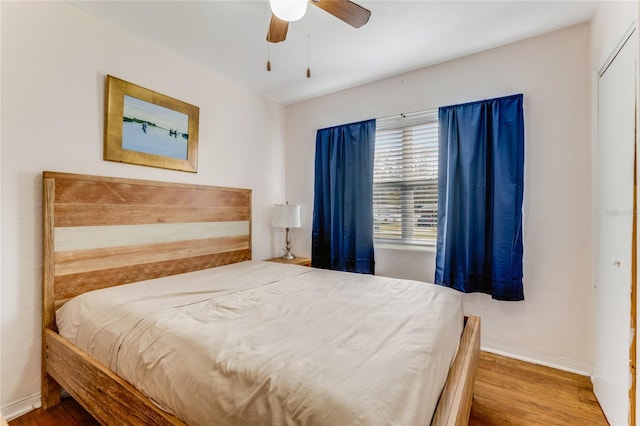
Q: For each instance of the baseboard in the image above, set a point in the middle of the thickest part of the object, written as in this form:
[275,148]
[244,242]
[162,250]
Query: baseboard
[21,406]
[579,367]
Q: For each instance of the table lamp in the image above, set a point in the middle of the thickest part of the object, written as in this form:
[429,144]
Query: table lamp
[286,216]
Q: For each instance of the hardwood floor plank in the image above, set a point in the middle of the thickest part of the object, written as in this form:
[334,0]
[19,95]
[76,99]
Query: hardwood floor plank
[508,392]
[513,392]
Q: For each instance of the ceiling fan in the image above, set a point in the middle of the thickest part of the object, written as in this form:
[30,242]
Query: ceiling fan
[285,11]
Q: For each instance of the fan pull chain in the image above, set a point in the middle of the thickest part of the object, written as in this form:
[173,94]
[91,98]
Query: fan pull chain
[268,58]
[308,56]
[268,38]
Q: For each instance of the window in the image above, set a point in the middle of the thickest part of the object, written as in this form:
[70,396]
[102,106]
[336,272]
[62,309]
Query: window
[405,179]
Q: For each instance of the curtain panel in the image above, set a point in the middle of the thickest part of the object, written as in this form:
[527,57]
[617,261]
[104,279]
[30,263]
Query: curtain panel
[480,192]
[342,232]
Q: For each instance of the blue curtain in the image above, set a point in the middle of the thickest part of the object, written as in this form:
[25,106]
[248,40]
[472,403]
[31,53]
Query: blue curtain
[342,234]
[480,189]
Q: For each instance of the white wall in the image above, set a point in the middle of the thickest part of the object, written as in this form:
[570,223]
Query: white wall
[609,23]
[54,61]
[553,325]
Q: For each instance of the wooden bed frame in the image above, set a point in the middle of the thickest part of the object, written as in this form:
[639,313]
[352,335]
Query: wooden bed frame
[100,232]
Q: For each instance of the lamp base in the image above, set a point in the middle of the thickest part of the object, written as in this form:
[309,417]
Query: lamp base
[287,249]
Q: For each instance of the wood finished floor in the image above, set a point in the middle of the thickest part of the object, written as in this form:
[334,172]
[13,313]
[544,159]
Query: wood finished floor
[512,392]
[507,392]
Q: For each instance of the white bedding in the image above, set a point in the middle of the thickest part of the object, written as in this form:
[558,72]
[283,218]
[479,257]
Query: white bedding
[265,343]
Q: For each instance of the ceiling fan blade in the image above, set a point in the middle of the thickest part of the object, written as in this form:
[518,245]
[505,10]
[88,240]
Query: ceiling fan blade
[345,10]
[277,29]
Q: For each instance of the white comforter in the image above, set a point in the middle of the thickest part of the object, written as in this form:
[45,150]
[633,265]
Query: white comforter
[265,343]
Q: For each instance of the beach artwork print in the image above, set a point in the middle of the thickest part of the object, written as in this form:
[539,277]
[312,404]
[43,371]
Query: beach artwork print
[154,129]
[148,128]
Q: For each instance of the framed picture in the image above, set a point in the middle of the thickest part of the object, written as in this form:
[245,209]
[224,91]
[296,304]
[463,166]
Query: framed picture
[150,129]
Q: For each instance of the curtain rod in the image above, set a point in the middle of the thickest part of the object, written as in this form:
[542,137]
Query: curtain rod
[428,115]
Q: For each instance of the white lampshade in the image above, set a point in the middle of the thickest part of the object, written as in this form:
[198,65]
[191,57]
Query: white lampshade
[289,10]
[286,216]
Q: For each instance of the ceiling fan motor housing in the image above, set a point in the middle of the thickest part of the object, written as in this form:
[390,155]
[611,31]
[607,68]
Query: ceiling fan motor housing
[289,10]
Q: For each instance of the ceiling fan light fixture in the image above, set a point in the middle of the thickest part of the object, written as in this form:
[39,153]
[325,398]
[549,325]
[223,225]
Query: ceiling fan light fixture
[288,10]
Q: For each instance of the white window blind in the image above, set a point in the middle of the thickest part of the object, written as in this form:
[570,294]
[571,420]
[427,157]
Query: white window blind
[405,179]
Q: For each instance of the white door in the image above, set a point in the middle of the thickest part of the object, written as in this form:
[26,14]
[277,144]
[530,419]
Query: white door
[614,215]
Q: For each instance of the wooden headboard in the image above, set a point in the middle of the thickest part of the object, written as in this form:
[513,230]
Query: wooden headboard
[103,231]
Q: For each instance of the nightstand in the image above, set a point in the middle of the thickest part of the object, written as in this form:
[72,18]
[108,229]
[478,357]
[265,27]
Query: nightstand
[302,261]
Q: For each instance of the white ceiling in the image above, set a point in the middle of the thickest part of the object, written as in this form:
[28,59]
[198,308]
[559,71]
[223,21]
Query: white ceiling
[229,37]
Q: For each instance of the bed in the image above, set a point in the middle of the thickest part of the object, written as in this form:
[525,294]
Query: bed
[113,234]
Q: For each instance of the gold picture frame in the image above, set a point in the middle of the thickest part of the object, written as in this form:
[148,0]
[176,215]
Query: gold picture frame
[149,129]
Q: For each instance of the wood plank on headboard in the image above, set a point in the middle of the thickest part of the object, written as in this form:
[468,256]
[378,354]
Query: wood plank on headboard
[106,231]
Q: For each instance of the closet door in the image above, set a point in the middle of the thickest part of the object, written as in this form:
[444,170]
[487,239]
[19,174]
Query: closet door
[614,218]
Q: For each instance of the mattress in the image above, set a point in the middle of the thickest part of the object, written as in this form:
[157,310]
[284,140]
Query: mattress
[265,343]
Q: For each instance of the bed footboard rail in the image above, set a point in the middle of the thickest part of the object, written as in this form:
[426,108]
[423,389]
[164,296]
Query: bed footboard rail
[454,406]
[108,398]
